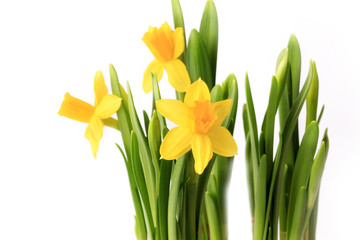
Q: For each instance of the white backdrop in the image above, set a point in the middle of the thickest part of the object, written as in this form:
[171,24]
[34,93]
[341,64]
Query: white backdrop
[50,185]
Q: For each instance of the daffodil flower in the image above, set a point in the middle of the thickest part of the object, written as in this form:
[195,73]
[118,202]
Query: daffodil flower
[98,115]
[199,127]
[166,46]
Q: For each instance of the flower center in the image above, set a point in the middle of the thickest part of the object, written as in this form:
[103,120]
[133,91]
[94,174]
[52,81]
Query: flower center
[204,116]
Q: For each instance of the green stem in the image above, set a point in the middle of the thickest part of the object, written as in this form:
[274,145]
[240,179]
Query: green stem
[176,181]
[111,122]
[189,226]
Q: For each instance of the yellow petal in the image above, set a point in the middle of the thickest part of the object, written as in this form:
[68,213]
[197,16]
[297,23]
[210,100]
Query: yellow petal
[177,75]
[108,106]
[154,67]
[148,40]
[174,110]
[222,141]
[76,109]
[94,133]
[198,91]
[100,88]
[222,109]
[160,43]
[202,151]
[166,39]
[176,143]
[179,43]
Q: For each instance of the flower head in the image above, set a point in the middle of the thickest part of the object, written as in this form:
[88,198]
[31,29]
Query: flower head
[98,115]
[166,46]
[199,127]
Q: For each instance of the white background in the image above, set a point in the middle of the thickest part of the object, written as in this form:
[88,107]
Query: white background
[50,185]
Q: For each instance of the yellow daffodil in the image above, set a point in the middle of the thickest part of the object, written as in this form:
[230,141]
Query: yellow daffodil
[199,127]
[98,115]
[166,46]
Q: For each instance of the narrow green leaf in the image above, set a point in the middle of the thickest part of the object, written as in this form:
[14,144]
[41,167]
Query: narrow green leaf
[212,185]
[209,34]
[284,199]
[213,217]
[313,220]
[222,171]
[140,181]
[154,138]
[317,170]
[176,181]
[179,22]
[316,174]
[146,121]
[216,94]
[270,123]
[299,215]
[123,112]
[157,97]
[202,182]
[279,163]
[302,168]
[245,120]
[320,114]
[163,198]
[281,70]
[230,91]
[249,176]
[252,130]
[198,60]
[140,222]
[295,66]
[262,143]
[312,99]
[260,200]
[145,155]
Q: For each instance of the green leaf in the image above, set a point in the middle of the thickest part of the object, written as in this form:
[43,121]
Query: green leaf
[270,122]
[262,143]
[157,97]
[209,34]
[198,61]
[320,114]
[179,22]
[123,112]
[145,155]
[146,121]
[216,94]
[176,181]
[299,215]
[317,170]
[252,129]
[212,185]
[245,120]
[281,70]
[140,180]
[140,227]
[249,175]
[302,168]
[163,198]
[316,174]
[284,199]
[213,216]
[312,99]
[313,220]
[230,88]
[260,200]
[154,138]
[295,65]
[279,162]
